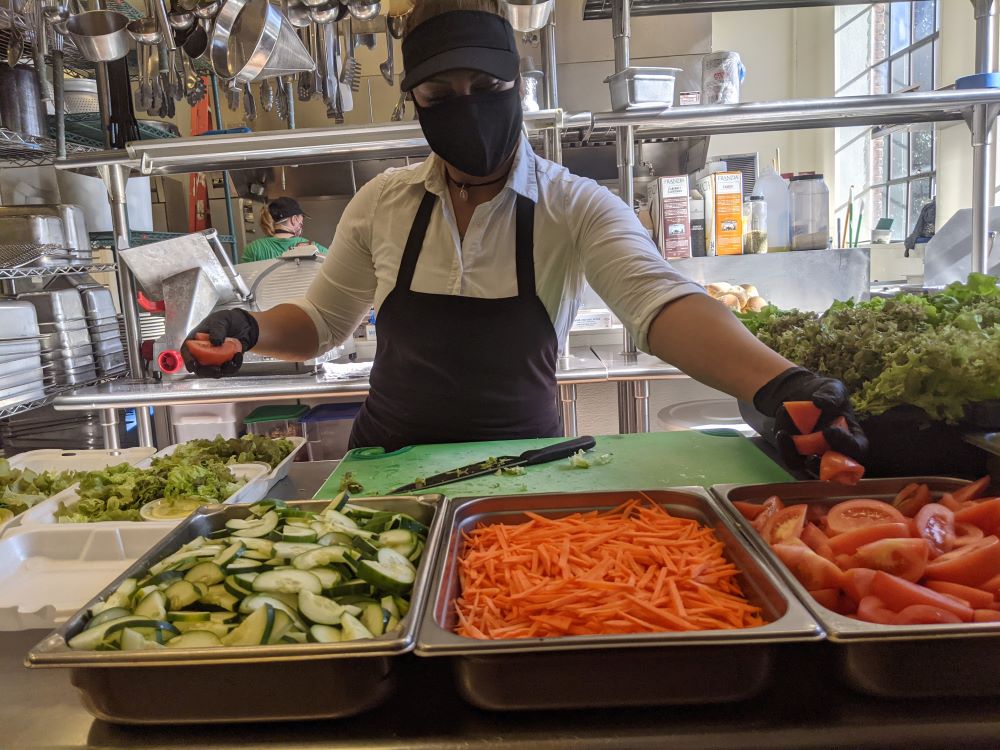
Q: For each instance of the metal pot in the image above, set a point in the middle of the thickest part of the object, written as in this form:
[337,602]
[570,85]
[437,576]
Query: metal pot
[21,107]
[528,15]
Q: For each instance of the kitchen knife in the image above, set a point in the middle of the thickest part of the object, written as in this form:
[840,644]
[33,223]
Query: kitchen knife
[544,455]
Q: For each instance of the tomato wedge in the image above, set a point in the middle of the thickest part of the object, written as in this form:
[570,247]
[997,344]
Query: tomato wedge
[836,467]
[804,415]
[811,444]
[949,501]
[748,510]
[899,594]
[966,533]
[911,499]
[770,506]
[818,541]
[858,583]
[972,491]
[983,513]
[906,558]
[924,614]
[848,542]
[985,615]
[811,570]
[973,596]
[785,526]
[970,564]
[829,598]
[873,609]
[212,356]
[936,524]
[853,514]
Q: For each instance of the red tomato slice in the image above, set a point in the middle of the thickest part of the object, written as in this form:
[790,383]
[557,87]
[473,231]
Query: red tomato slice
[811,444]
[848,542]
[983,513]
[858,583]
[936,524]
[828,598]
[924,614]
[836,467]
[970,564]
[748,510]
[992,585]
[853,514]
[899,594]
[972,491]
[872,609]
[985,615]
[804,415]
[905,558]
[817,540]
[972,596]
[785,526]
[966,533]
[846,605]
[816,513]
[911,499]
[948,501]
[770,506]
[811,570]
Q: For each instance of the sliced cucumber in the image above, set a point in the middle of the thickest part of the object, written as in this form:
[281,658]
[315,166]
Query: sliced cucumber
[207,572]
[320,557]
[402,605]
[217,596]
[401,540]
[354,587]
[276,601]
[195,639]
[333,537]
[374,618]
[263,546]
[282,624]
[409,523]
[287,581]
[325,634]
[391,572]
[389,605]
[254,630]
[254,529]
[289,550]
[336,518]
[339,501]
[111,613]
[367,550]
[236,587]
[327,576]
[245,565]
[188,616]
[153,606]
[132,640]
[319,610]
[352,629]
[220,629]
[297,534]
[377,523]
[229,554]
[180,594]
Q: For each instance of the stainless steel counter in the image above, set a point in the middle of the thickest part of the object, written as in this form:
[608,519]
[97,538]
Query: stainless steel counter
[806,709]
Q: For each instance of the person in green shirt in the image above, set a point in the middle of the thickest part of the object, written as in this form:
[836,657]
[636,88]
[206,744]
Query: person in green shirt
[282,220]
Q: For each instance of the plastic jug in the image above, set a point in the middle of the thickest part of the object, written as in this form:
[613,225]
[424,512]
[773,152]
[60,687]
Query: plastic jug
[809,201]
[773,188]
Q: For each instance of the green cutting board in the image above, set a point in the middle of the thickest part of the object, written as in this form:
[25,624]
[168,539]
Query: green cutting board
[643,461]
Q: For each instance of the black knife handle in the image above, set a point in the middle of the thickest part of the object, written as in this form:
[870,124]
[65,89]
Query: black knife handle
[556,451]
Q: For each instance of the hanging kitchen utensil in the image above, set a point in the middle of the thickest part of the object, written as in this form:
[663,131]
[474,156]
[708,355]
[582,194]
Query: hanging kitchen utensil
[100,35]
[399,111]
[252,39]
[15,48]
[266,95]
[306,82]
[181,20]
[388,68]
[122,125]
[249,105]
[197,43]
[146,34]
[39,51]
[363,10]
[298,14]
[21,106]
[528,15]
[351,73]
[233,97]
[545,455]
[331,82]
[396,25]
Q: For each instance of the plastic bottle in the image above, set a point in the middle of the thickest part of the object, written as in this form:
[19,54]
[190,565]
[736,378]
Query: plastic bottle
[774,190]
[809,204]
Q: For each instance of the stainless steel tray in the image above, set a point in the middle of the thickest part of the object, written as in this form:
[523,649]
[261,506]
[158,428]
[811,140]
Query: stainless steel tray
[98,302]
[252,683]
[883,660]
[23,224]
[55,306]
[614,670]
[18,320]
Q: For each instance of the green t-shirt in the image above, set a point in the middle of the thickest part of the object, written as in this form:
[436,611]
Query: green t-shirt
[269,248]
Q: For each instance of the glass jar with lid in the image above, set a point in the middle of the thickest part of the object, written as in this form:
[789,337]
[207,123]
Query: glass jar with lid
[755,239]
[809,206]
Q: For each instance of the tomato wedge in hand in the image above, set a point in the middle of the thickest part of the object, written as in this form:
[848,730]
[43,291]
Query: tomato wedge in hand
[975,597]
[899,594]
[804,415]
[212,356]
[848,542]
[853,514]
[811,444]
[911,499]
[972,491]
[785,526]
[873,609]
[924,614]
[936,525]
[811,570]
[906,558]
[984,513]
[970,564]
[836,467]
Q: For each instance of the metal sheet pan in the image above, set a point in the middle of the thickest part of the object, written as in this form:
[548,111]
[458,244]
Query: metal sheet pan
[261,683]
[884,660]
[613,670]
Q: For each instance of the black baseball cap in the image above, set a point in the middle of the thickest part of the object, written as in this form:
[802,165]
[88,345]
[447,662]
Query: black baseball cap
[283,208]
[471,39]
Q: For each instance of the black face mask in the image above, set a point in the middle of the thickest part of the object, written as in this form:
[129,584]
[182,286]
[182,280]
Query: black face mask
[474,133]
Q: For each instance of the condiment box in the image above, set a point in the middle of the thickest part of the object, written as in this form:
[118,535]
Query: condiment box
[669,203]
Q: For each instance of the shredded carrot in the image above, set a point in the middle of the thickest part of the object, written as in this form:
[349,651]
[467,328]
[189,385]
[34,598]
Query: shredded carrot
[634,569]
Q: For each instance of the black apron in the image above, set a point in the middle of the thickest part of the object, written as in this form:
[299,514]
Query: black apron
[455,369]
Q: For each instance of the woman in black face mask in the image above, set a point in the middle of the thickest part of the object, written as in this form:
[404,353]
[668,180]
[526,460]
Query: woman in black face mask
[475,261]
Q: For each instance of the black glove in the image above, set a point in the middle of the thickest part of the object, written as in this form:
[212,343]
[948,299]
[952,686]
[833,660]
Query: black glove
[830,395]
[220,325]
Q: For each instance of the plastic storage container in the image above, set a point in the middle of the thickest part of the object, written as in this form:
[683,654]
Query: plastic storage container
[809,204]
[772,187]
[755,238]
[327,429]
[192,421]
[282,420]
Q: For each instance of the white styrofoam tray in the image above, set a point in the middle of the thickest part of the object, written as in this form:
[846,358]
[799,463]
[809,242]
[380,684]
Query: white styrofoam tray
[56,459]
[278,473]
[48,573]
[43,514]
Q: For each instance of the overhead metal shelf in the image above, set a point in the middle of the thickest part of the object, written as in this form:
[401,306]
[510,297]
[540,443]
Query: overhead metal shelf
[51,395]
[595,10]
[31,272]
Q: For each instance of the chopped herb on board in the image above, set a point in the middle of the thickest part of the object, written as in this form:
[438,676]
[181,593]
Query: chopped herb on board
[349,484]
[514,471]
[419,482]
[579,461]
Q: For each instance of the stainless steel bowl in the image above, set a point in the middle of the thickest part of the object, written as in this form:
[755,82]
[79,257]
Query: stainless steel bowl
[100,35]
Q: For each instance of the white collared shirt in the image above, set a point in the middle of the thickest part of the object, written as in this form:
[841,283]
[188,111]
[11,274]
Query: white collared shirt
[581,231]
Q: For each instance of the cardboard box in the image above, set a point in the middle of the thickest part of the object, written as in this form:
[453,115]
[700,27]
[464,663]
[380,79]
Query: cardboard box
[723,192]
[669,204]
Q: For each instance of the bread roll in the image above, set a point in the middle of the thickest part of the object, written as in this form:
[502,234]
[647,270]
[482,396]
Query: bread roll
[756,304]
[751,290]
[731,301]
[718,289]
[741,294]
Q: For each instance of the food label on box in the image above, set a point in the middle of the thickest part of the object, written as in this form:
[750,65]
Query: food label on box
[689,98]
[728,213]
[670,203]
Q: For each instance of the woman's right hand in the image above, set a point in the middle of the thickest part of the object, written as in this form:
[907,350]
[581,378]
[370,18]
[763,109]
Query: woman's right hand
[220,325]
